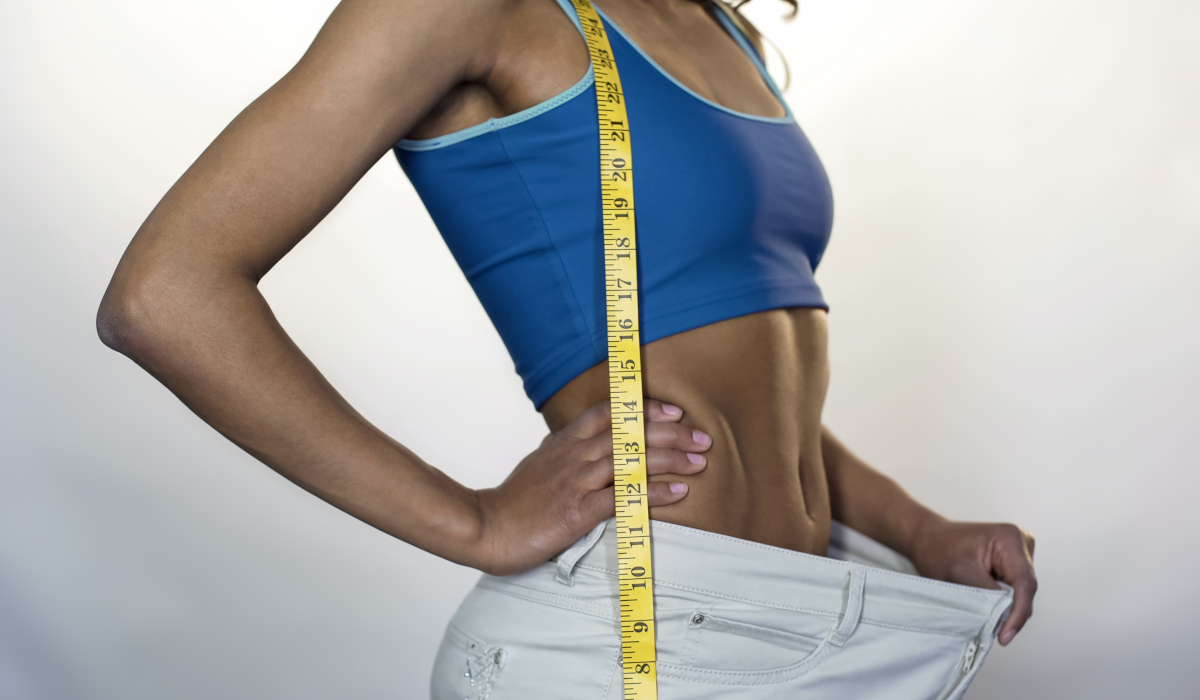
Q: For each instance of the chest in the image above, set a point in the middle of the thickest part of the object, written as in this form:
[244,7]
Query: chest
[540,53]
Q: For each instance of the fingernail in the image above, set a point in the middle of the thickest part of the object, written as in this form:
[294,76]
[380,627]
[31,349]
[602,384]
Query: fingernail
[671,410]
[696,459]
[701,438]
[1006,637]
[677,487]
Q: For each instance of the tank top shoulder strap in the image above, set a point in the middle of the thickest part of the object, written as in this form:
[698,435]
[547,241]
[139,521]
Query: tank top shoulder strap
[570,10]
[734,26]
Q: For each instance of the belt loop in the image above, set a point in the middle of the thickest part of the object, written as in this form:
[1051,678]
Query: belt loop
[568,559]
[854,605]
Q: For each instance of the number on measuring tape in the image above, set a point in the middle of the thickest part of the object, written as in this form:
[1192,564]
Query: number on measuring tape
[638,665]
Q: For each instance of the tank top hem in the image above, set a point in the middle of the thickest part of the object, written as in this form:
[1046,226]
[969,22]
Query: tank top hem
[546,380]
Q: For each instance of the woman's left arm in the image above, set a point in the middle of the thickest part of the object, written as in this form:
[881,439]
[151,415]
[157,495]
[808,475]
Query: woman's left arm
[973,554]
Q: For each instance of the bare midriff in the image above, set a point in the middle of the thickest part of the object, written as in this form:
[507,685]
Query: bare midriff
[757,385]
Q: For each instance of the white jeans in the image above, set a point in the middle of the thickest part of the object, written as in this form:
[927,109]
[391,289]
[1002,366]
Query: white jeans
[736,619]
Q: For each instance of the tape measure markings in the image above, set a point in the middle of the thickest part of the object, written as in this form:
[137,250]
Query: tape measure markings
[635,572]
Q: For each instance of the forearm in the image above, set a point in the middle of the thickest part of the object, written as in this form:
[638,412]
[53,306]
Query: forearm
[869,501]
[213,341]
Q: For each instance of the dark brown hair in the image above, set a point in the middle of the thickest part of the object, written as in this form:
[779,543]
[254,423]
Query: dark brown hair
[736,5]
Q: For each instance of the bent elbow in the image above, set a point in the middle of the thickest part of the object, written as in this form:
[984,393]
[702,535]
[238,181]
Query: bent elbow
[132,314]
[108,326]
[115,323]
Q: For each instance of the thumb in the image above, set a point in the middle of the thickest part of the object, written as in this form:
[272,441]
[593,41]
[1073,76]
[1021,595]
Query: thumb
[591,422]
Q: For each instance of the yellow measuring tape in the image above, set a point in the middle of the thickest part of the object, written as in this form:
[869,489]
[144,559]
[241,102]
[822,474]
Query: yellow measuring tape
[639,668]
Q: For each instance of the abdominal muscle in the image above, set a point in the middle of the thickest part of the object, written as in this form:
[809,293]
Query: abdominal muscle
[756,384]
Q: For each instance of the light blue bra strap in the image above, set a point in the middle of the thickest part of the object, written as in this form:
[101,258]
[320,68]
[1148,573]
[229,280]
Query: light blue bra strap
[570,10]
[722,13]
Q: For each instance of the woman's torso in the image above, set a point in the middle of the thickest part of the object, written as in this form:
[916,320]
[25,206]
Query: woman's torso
[754,378]
[756,384]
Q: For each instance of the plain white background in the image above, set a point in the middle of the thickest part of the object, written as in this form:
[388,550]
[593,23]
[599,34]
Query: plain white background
[1013,276]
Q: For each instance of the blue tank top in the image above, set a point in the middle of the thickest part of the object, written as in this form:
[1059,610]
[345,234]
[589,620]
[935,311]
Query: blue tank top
[733,214]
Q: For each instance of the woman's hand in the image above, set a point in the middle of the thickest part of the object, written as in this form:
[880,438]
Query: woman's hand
[565,488]
[979,554]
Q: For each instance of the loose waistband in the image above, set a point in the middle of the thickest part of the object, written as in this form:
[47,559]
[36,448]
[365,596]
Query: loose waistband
[727,567]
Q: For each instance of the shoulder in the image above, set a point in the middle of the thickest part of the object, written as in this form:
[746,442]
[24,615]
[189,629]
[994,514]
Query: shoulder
[466,20]
[409,34]
[744,24]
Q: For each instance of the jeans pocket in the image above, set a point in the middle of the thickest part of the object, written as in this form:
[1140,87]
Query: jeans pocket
[724,644]
[466,668]
[732,644]
[721,643]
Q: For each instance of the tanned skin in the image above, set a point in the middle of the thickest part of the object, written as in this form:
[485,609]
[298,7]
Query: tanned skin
[749,458]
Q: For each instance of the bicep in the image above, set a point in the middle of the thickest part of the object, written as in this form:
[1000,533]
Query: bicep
[375,68]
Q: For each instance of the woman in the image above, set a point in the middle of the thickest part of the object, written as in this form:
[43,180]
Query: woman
[485,105]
